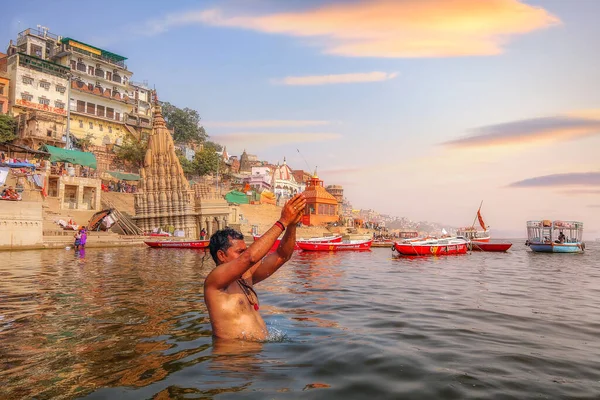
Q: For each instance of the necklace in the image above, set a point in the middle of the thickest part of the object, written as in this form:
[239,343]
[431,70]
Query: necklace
[249,292]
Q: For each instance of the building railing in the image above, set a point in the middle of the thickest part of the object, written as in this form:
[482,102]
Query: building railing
[95,115]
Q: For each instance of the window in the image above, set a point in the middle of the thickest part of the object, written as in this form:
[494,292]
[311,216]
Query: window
[2,108]
[59,104]
[110,112]
[109,127]
[45,85]
[91,125]
[60,89]
[49,133]
[81,123]
[44,101]
[80,106]
[99,73]
[100,111]
[1,89]
[117,116]
[73,64]
[101,127]
[109,76]
[81,67]
[116,78]
[27,80]
[91,108]
[91,70]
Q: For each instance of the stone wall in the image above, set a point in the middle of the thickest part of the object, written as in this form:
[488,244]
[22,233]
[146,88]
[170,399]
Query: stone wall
[20,224]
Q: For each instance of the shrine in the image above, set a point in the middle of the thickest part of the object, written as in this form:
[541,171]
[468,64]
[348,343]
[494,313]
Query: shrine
[321,207]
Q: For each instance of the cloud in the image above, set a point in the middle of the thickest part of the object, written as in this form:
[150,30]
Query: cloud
[375,76]
[385,28]
[530,131]
[272,139]
[265,124]
[576,192]
[568,179]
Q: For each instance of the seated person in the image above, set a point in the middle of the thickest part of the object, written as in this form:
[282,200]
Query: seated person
[561,237]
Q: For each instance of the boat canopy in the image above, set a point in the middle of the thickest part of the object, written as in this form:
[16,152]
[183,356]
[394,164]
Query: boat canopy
[549,231]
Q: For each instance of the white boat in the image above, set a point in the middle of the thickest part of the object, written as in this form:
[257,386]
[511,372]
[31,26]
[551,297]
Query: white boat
[547,236]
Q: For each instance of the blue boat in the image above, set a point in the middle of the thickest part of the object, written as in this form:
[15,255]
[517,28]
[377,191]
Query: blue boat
[547,236]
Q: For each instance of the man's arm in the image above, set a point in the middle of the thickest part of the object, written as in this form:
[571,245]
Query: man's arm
[224,274]
[271,263]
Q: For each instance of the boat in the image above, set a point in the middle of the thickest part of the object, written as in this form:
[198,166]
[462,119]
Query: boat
[548,236]
[432,247]
[472,233]
[325,239]
[180,244]
[336,246]
[489,246]
[382,243]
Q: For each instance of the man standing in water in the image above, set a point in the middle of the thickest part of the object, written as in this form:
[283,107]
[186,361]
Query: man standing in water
[228,289]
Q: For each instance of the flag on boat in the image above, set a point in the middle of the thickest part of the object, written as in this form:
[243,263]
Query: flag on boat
[480,218]
[444,232]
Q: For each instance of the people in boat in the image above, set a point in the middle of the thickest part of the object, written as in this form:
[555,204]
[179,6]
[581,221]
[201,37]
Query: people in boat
[229,291]
[561,237]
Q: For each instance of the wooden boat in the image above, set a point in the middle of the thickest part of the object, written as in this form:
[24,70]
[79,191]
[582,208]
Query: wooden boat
[179,244]
[336,246]
[432,247]
[490,246]
[547,236]
[383,243]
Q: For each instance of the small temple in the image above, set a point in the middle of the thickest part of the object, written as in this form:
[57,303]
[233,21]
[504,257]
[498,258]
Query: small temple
[165,198]
[321,206]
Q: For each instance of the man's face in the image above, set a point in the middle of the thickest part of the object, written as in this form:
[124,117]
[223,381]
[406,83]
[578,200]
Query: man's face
[233,252]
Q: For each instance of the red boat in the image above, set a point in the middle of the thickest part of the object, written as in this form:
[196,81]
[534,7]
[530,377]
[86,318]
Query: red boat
[490,246]
[327,239]
[180,244]
[338,246]
[434,247]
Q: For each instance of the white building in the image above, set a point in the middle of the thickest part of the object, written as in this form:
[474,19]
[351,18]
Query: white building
[260,178]
[283,181]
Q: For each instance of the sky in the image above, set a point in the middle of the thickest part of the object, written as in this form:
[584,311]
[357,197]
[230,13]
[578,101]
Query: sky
[418,108]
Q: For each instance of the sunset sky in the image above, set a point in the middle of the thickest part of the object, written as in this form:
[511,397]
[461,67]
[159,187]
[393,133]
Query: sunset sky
[419,108]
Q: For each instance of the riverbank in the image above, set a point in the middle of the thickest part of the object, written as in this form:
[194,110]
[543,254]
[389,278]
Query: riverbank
[252,216]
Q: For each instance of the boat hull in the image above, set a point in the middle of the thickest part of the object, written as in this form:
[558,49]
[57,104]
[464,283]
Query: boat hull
[190,244]
[339,246]
[490,247]
[557,247]
[409,249]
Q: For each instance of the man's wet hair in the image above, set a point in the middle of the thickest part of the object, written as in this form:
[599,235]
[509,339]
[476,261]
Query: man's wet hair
[221,240]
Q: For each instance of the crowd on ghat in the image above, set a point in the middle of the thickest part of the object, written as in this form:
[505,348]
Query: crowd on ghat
[119,186]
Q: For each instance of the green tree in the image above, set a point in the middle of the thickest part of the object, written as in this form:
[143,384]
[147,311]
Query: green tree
[185,124]
[131,151]
[189,168]
[8,128]
[86,142]
[207,159]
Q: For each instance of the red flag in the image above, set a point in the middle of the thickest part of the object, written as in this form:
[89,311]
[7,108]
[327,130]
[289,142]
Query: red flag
[480,218]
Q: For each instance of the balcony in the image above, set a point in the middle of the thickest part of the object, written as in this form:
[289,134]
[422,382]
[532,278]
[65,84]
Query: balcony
[99,91]
[134,120]
[83,112]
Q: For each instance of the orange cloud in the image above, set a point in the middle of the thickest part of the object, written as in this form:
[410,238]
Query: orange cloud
[375,76]
[532,131]
[388,28]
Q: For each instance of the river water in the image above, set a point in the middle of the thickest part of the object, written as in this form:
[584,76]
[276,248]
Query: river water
[130,323]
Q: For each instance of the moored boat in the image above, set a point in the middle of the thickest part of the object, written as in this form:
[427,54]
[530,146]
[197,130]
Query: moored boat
[548,236]
[324,239]
[180,244]
[472,233]
[432,247]
[336,246]
[490,246]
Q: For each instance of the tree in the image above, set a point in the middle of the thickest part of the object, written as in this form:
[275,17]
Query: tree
[86,142]
[189,168]
[8,128]
[185,124]
[132,151]
[207,159]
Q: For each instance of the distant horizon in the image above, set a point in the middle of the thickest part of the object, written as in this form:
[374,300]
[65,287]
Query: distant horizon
[422,110]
